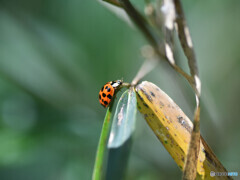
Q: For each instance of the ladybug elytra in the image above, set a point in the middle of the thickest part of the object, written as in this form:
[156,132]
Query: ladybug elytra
[107,92]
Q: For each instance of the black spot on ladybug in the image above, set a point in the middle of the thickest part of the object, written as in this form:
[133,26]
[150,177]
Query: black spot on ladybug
[102,100]
[106,87]
[99,96]
[109,89]
[102,89]
[152,93]
[109,96]
[105,102]
[103,94]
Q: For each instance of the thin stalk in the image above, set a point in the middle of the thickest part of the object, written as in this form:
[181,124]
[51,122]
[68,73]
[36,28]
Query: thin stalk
[102,146]
[185,38]
[143,25]
[190,169]
[152,37]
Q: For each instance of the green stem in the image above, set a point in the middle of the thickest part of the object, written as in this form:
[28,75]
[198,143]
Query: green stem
[102,146]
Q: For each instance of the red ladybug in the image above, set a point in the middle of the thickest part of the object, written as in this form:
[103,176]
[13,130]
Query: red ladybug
[107,92]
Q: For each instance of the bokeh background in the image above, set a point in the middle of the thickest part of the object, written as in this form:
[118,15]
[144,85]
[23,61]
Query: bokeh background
[54,57]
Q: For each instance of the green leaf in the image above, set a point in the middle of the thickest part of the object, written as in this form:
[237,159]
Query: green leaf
[98,166]
[124,119]
[117,163]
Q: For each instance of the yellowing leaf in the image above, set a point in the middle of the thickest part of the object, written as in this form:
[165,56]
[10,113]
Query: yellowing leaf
[173,128]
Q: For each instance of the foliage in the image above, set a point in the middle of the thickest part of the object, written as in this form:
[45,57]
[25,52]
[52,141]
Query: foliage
[56,55]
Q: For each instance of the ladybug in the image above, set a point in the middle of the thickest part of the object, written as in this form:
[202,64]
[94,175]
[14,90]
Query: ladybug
[107,92]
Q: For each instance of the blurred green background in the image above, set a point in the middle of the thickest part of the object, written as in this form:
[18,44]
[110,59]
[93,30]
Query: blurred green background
[54,57]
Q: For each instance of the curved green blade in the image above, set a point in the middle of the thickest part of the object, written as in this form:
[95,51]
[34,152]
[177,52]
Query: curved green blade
[124,119]
[101,150]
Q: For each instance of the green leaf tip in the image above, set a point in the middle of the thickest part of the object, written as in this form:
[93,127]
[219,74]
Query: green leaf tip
[124,119]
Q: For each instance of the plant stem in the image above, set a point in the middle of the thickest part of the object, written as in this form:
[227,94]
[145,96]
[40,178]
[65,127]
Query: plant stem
[185,38]
[102,145]
[158,45]
[142,24]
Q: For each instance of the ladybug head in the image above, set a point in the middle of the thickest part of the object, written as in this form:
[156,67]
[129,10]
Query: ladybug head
[116,84]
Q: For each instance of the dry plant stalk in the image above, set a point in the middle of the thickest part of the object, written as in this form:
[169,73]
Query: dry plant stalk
[165,19]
